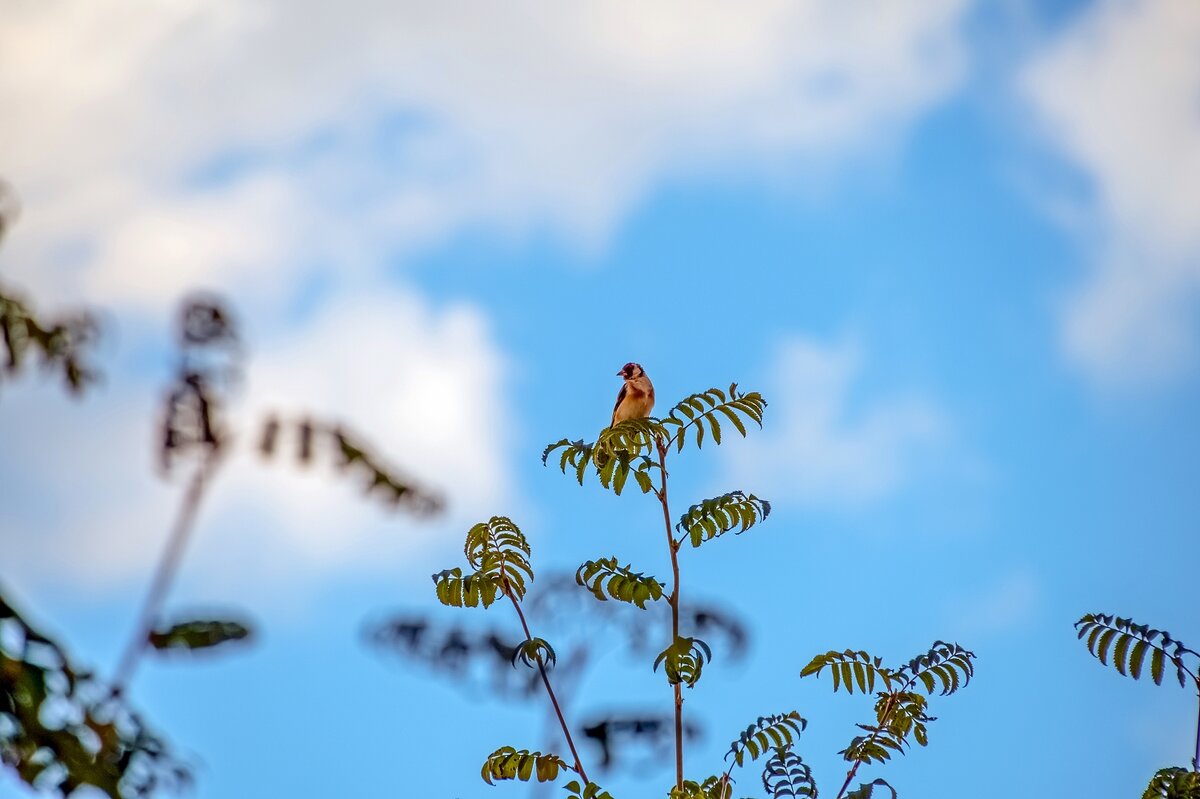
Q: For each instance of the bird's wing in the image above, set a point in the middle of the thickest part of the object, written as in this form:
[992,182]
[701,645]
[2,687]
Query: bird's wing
[620,398]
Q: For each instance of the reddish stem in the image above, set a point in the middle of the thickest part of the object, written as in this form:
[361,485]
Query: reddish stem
[546,681]
[673,601]
[883,720]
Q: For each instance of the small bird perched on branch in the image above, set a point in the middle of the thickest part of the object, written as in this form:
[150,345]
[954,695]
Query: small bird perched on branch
[636,398]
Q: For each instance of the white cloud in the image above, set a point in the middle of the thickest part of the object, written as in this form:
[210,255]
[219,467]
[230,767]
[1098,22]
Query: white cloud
[424,387]
[1116,94]
[824,447]
[388,125]
[263,148]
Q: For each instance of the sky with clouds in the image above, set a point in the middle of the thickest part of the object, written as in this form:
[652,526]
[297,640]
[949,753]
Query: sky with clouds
[954,243]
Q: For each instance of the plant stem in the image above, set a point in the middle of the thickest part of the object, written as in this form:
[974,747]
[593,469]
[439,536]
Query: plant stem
[673,601]
[567,672]
[168,566]
[1196,762]
[546,681]
[883,719]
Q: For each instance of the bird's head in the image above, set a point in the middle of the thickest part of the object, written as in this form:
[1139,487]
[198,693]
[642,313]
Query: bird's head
[631,371]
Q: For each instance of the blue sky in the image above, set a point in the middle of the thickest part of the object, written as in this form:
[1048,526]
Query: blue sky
[953,244]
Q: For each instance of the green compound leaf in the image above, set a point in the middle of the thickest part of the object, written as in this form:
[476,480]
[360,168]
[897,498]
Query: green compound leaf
[786,776]
[714,517]
[900,707]
[619,454]
[765,734]
[633,437]
[851,668]
[534,651]
[507,763]
[499,553]
[457,591]
[897,716]
[1128,643]
[684,660]
[950,664]
[576,455]
[606,579]
[704,411]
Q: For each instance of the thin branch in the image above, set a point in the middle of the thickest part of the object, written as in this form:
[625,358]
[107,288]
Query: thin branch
[1196,761]
[883,720]
[727,777]
[673,601]
[168,567]
[568,668]
[546,681]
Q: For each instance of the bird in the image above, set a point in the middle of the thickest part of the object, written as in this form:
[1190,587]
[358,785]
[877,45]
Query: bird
[636,398]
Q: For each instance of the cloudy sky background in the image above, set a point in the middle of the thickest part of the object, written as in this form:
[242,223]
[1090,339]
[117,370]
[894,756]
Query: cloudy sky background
[954,243]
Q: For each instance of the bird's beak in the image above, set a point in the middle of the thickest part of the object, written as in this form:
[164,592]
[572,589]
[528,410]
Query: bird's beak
[621,373]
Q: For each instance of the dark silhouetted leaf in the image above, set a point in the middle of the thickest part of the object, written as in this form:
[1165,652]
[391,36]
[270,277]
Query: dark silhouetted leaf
[199,634]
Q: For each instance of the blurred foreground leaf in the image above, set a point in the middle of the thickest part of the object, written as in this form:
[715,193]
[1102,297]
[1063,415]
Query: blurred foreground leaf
[62,728]
[199,634]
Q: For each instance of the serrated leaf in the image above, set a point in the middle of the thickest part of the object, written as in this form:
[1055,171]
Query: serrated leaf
[714,517]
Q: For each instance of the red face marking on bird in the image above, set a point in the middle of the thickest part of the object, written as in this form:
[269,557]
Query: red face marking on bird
[630,371]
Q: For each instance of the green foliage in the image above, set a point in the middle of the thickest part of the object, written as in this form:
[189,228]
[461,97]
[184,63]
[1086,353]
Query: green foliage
[617,455]
[606,579]
[897,715]
[702,411]
[867,789]
[499,548]
[900,709]
[586,791]
[1174,783]
[786,776]
[849,668]
[631,437]
[499,553]
[901,692]
[684,660]
[907,716]
[534,651]
[768,732]
[61,728]
[711,788]
[952,665]
[625,449]
[575,454]
[507,763]
[614,472]
[875,747]
[714,517]
[1129,643]
[58,345]
[198,634]
[465,592]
